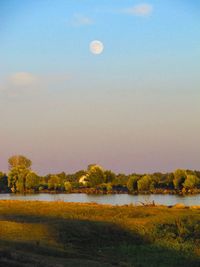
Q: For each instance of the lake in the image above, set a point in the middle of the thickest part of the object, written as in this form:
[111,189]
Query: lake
[115,199]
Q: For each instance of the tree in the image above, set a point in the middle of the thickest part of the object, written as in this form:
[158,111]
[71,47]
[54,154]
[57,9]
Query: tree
[3,182]
[55,183]
[32,181]
[74,178]
[62,175]
[17,179]
[132,183]
[109,187]
[91,166]
[191,182]
[68,187]
[95,175]
[121,180]
[19,160]
[19,169]
[169,180]
[144,183]
[179,178]
[109,176]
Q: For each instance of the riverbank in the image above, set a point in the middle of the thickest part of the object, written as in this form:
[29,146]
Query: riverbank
[68,234]
[125,191]
[112,199]
[96,191]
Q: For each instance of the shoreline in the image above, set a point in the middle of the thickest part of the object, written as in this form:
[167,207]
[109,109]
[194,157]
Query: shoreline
[133,205]
[93,191]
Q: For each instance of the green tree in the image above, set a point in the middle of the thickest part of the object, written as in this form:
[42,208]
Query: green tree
[169,180]
[19,169]
[68,187]
[121,180]
[109,187]
[144,184]
[132,183]
[109,176]
[179,178]
[191,182]
[32,181]
[62,175]
[95,175]
[74,178]
[55,183]
[19,160]
[17,179]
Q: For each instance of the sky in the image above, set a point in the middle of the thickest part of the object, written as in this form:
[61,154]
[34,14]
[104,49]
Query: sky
[133,108]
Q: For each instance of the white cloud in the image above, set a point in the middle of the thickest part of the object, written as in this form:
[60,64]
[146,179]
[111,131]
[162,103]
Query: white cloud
[80,20]
[143,10]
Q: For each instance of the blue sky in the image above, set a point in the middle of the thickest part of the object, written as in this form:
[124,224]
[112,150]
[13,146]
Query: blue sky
[135,107]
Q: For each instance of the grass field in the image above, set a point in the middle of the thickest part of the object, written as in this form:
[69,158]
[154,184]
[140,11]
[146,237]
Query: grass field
[67,234]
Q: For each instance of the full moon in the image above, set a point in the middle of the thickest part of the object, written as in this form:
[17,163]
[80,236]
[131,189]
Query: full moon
[96,47]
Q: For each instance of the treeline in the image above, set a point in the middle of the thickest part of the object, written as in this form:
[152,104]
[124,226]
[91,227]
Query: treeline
[21,178]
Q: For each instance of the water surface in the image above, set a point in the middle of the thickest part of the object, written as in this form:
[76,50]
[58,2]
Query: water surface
[115,199]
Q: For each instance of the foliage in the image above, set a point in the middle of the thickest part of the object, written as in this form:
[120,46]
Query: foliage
[68,187]
[32,181]
[105,187]
[109,176]
[22,179]
[17,178]
[55,183]
[191,182]
[109,187]
[132,183]
[19,160]
[121,179]
[179,178]
[3,182]
[19,169]
[144,183]
[74,178]
[95,175]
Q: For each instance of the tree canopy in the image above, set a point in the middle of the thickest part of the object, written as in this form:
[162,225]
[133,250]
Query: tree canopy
[19,160]
[21,178]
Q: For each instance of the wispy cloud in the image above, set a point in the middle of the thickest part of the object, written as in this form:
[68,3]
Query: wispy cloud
[23,83]
[22,79]
[142,10]
[18,83]
[80,20]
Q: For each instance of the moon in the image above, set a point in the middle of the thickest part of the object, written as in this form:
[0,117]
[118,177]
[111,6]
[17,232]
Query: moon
[96,47]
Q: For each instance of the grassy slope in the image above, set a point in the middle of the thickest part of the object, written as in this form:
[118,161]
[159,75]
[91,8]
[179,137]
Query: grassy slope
[68,234]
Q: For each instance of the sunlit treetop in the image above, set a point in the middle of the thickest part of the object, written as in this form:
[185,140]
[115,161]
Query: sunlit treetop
[19,160]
